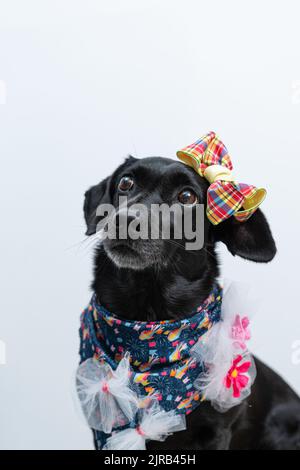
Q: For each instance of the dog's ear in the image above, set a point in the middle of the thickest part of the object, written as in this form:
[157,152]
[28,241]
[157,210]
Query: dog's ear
[93,197]
[250,240]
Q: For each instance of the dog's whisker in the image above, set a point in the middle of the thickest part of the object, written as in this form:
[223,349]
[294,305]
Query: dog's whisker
[86,243]
[78,245]
[92,243]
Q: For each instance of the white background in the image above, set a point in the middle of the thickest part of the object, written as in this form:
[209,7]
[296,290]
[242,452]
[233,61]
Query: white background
[84,83]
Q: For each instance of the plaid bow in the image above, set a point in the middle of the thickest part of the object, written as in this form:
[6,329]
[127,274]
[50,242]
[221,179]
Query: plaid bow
[209,157]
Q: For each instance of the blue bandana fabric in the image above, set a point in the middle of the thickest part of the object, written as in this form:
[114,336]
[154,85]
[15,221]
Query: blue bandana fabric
[160,358]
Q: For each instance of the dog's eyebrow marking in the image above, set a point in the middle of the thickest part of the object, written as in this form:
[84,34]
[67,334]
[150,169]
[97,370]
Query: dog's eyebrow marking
[143,172]
[181,179]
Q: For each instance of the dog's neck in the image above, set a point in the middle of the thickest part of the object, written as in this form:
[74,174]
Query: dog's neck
[155,294]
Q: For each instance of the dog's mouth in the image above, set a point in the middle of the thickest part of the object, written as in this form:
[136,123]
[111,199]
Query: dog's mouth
[123,254]
[135,254]
[123,249]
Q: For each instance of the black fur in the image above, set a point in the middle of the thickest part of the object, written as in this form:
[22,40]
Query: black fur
[159,279]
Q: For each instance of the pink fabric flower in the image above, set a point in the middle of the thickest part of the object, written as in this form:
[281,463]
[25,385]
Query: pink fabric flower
[240,331]
[235,377]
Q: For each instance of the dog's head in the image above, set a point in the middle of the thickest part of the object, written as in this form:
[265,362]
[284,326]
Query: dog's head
[155,181]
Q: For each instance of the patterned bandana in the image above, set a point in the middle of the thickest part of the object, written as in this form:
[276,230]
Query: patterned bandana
[225,197]
[160,361]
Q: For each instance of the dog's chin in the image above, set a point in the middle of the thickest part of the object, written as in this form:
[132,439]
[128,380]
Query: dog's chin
[124,256]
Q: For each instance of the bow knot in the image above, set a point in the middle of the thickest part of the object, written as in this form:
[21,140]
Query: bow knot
[215,173]
[225,197]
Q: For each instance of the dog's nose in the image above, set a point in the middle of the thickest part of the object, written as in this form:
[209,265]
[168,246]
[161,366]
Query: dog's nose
[122,220]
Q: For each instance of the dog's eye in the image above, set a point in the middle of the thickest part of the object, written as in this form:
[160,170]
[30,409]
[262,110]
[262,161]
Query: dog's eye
[187,197]
[125,183]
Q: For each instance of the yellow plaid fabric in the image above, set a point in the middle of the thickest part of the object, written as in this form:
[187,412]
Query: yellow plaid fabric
[225,197]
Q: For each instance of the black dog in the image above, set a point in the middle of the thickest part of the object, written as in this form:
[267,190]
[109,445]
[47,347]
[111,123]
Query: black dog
[156,279]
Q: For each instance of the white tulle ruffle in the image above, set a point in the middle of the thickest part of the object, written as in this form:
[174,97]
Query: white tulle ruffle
[106,398]
[156,424]
[229,369]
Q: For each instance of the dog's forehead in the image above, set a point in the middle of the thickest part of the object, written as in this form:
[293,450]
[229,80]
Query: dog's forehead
[162,168]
